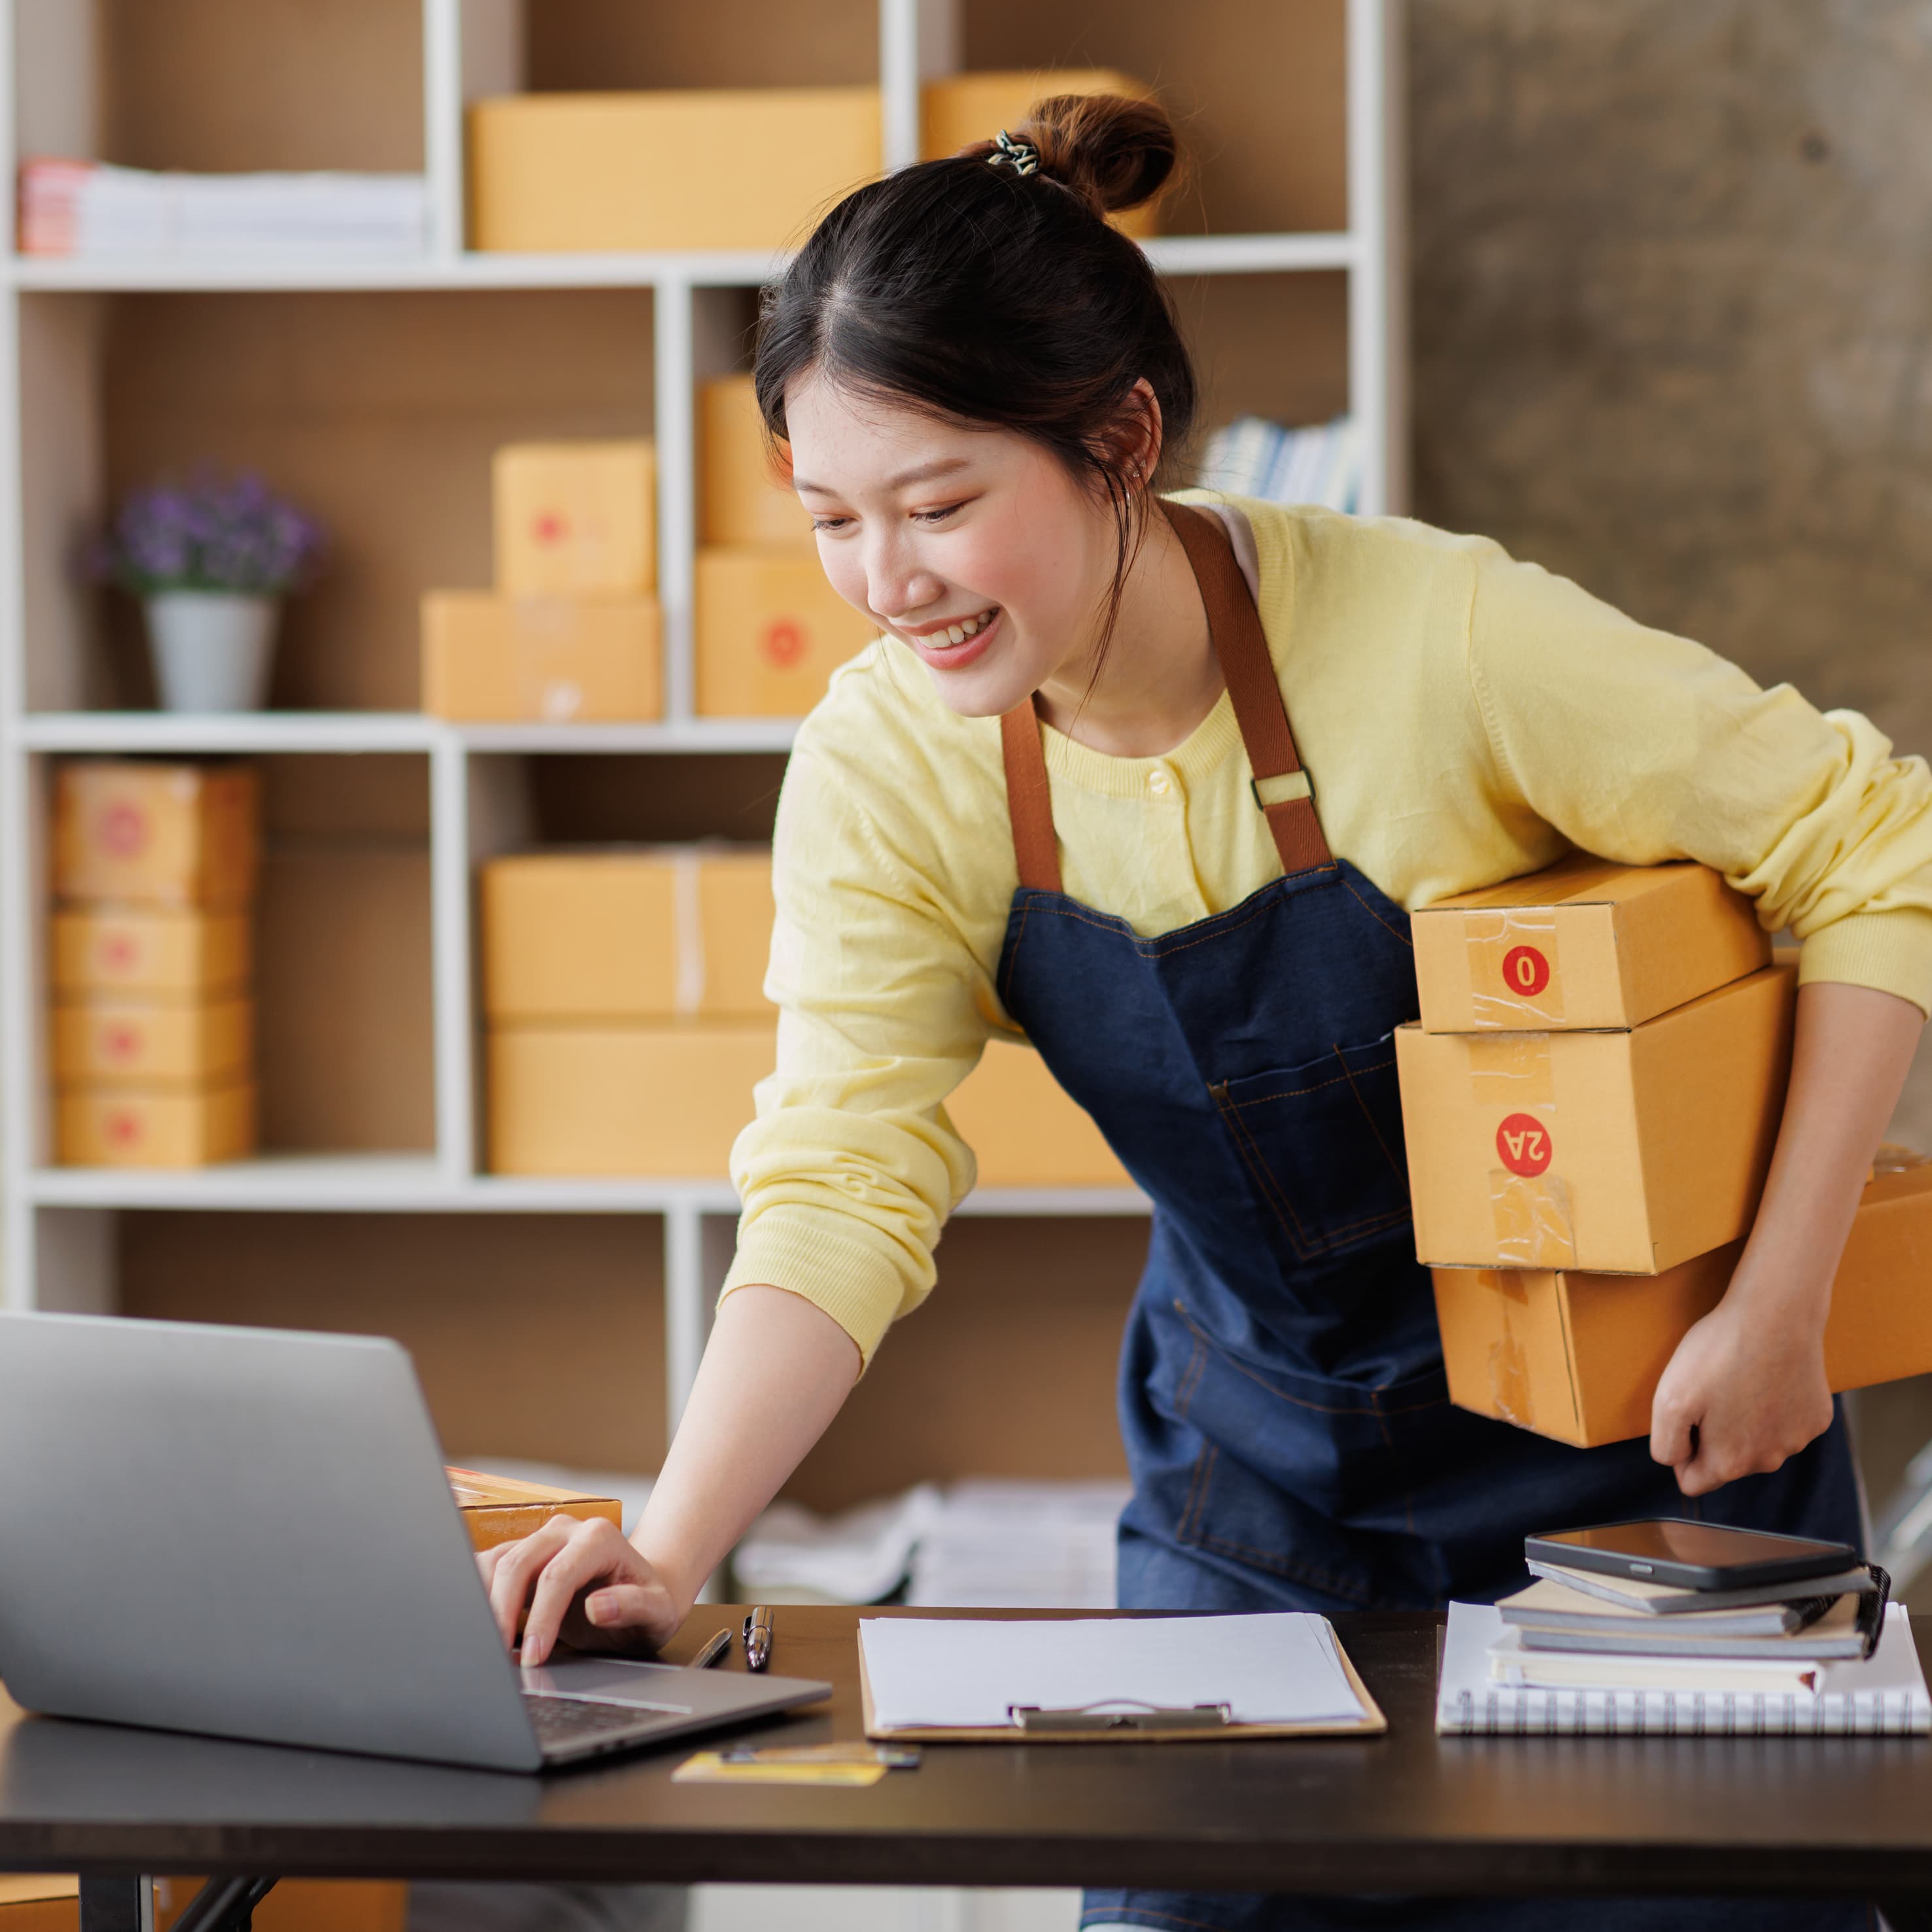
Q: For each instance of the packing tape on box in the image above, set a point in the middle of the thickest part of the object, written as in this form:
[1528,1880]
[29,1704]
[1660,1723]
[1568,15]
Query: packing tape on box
[1510,1073]
[687,933]
[1892,1158]
[1531,1213]
[1512,1070]
[1515,978]
[1510,1383]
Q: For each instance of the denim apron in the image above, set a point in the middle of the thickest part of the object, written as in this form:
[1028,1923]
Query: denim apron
[1282,1392]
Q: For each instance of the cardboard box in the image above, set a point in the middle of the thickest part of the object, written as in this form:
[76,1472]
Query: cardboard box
[770,631]
[1585,944]
[690,168]
[1620,1152]
[576,518]
[1577,1357]
[492,659]
[39,1902]
[302,1905]
[153,834]
[159,1125]
[964,108]
[498,1510]
[745,494]
[1024,1129]
[650,933]
[114,1038]
[666,1101]
[156,953]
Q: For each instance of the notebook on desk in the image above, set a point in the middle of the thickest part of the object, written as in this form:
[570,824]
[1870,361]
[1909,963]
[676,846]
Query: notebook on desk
[967,1680]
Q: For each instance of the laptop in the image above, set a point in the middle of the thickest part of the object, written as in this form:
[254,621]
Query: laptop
[248,1532]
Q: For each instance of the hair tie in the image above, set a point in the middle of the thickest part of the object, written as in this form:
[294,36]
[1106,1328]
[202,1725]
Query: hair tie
[1022,157]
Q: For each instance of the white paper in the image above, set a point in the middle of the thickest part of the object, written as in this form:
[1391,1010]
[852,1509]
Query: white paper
[1280,1668]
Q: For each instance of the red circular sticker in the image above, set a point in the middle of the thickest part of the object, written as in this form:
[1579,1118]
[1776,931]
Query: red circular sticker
[549,527]
[122,829]
[1523,1142]
[122,1130]
[118,952]
[1525,971]
[121,1042]
[784,642]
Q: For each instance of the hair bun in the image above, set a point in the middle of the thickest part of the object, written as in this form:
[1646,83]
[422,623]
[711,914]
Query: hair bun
[1112,152]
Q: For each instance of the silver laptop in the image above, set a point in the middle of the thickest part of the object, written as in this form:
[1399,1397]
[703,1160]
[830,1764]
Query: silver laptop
[248,1532]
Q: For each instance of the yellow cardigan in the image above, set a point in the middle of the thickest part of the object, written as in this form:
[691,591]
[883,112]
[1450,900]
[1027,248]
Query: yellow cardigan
[1464,718]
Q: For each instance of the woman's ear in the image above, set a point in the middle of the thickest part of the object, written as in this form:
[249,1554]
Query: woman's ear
[1138,437]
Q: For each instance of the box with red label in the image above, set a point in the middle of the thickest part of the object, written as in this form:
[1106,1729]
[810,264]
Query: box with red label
[770,631]
[745,494]
[1623,1153]
[1577,1357]
[114,1038]
[492,659]
[153,834]
[1585,943]
[576,516]
[159,1125]
[159,953]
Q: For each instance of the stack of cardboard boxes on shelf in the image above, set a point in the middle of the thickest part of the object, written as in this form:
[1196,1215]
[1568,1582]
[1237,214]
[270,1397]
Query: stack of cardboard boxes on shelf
[153,1021]
[1590,1102]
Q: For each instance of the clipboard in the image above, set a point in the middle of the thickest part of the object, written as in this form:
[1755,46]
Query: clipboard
[1123,1724]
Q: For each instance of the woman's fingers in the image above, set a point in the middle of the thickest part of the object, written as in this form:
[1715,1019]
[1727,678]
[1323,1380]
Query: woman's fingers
[514,1571]
[592,1552]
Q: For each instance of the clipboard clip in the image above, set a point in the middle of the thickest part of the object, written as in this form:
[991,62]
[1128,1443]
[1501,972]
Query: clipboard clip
[1109,1716]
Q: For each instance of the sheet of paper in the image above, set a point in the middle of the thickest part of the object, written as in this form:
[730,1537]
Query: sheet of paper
[1279,1668]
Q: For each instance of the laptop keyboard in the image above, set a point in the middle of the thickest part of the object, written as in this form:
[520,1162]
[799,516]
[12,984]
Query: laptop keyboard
[572,1721]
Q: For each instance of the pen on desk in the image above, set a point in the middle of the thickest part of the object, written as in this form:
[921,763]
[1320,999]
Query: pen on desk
[713,1650]
[757,1638]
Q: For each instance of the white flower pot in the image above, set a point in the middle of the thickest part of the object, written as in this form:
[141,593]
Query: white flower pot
[211,648]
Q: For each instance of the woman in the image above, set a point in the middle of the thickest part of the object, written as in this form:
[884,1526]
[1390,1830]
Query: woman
[1029,805]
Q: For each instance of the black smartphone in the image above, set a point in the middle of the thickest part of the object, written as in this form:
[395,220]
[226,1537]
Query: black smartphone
[1692,1555]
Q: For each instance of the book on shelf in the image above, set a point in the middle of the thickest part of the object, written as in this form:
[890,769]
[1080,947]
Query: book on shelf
[1318,463]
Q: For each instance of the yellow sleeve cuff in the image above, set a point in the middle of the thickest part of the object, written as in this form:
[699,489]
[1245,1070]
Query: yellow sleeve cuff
[827,1257]
[1890,951]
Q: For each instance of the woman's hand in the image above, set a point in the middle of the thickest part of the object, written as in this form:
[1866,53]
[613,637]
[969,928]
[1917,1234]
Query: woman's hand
[580,1582]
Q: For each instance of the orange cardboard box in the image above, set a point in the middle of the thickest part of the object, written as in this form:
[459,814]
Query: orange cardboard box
[1024,1129]
[1577,1357]
[745,494]
[113,1038]
[302,1905]
[645,933]
[688,168]
[497,1510]
[573,517]
[1620,1152]
[155,952]
[158,1125]
[492,659]
[770,631]
[39,1902]
[964,108]
[153,834]
[1583,944]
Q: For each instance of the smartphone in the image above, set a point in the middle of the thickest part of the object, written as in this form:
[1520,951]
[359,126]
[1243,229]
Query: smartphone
[1692,1555]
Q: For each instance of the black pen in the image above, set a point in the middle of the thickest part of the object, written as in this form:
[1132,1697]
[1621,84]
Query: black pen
[712,1651]
[757,1638]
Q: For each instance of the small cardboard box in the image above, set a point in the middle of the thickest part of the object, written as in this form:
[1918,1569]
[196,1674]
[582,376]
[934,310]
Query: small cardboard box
[1577,1357]
[112,1038]
[744,492]
[302,1905]
[964,108]
[665,1100]
[770,631]
[154,834]
[645,933]
[497,1510]
[1583,944]
[159,1125]
[1024,1129]
[39,1902]
[156,953]
[492,659]
[1620,1152]
[576,518]
[687,169]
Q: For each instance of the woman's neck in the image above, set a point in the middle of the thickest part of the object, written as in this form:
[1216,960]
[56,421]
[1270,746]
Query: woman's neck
[1160,677]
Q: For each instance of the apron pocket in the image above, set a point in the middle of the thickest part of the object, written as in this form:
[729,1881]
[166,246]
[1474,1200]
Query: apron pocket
[1322,1144]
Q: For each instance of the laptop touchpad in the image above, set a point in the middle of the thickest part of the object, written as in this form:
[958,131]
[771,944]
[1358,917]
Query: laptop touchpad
[610,1681]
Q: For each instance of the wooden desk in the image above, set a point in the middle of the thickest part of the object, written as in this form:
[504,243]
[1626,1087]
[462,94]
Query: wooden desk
[1405,1812]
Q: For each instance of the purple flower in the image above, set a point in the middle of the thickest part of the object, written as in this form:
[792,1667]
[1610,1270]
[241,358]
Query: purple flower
[211,534]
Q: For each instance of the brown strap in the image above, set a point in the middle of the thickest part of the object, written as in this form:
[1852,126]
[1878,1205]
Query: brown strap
[1235,626]
[1028,801]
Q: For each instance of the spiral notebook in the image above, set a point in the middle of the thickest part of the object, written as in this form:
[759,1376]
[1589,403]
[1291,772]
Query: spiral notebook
[1883,1695]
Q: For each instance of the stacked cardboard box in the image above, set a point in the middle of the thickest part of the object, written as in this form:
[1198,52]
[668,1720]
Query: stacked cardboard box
[153,1019]
[572,632]
[1590,1102]
[498,1509]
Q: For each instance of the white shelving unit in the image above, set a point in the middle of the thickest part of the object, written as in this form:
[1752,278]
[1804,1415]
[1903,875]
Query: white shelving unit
[59,1222]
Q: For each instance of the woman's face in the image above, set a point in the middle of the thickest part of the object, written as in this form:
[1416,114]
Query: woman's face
[974,546]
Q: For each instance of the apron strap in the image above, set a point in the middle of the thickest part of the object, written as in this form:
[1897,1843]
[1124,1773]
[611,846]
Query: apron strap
[1029,803]
[1235,625]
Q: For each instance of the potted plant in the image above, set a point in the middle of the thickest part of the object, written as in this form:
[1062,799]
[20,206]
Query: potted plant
[211,561]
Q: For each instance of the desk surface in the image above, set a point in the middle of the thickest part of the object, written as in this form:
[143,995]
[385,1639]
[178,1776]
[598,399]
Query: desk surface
[1408,1811]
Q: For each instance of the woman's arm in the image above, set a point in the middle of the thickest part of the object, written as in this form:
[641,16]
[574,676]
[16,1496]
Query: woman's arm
[775,1372]
[1746,1388]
